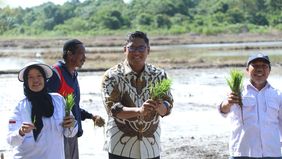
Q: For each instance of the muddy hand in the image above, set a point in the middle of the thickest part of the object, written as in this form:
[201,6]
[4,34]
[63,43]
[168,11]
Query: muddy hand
[26,128]
[149,105]
[233,98]
[68,121]
[99,121]
[160,107]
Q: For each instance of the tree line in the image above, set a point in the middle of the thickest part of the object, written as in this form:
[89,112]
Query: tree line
[108,17]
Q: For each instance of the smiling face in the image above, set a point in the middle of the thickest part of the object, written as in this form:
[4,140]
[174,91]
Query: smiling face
[35,80]
[258,71]
[136,53]
[78,58]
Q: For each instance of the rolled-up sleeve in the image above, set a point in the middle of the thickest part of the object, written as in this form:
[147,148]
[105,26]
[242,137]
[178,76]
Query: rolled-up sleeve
[110,94]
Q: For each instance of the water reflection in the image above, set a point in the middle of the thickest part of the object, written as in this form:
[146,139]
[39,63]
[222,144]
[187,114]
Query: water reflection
[14,58]
[196,93]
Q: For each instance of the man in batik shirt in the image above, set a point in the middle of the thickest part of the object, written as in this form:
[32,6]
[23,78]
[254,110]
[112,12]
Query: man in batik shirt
[133,129]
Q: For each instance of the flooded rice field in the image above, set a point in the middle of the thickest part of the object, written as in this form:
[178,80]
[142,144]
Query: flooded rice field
[194,129]
[194,116]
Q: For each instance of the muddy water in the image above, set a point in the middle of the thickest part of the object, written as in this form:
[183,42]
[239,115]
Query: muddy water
[10,60]
[196,93]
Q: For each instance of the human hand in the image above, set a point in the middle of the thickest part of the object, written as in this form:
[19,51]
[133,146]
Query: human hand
[148,106]
[98,120]
[232,98]
[68,121]
[26,128]
[161,107]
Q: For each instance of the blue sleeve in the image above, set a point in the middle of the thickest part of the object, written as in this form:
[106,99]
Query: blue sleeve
[53,84]
[85,114]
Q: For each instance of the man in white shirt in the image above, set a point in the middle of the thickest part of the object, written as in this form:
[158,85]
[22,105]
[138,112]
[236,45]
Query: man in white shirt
[255,131]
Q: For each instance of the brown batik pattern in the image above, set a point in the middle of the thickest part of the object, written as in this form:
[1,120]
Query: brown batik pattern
[120,86]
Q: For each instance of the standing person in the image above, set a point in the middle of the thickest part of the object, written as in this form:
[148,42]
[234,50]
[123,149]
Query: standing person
[38,123]
[257,134]
[133,129]
[64,81]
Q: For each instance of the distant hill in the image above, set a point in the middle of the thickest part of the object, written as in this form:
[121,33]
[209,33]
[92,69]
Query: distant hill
[159,17]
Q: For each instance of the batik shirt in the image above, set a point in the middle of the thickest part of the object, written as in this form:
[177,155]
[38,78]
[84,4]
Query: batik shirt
[137,137]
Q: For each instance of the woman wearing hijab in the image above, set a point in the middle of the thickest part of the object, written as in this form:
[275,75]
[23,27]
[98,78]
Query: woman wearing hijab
[38,124]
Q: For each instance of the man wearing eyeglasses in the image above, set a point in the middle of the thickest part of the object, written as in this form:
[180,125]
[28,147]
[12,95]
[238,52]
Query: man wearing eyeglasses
[257,125]
[133,129]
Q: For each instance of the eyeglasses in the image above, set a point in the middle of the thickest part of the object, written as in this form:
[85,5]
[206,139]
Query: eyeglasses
[256,66]
[135,49]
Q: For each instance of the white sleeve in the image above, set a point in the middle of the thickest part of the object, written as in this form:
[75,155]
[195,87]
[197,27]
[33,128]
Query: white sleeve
[71,132]
[220,112]
[280,118]
[15,122]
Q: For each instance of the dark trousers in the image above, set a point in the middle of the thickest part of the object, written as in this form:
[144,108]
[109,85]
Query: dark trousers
[112,156]
[71,148]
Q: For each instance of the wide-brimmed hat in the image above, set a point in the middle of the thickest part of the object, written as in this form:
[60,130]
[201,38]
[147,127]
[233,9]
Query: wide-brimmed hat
[47,69]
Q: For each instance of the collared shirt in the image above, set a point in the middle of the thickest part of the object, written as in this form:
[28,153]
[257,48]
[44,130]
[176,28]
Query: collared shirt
[54,85]
[256,131]
[134,137]
[50,141]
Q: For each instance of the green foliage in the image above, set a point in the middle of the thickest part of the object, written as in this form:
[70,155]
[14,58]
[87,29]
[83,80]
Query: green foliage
[69,103]
[235,82]
[159,16]
[144,19]
[160,89]
[34,119]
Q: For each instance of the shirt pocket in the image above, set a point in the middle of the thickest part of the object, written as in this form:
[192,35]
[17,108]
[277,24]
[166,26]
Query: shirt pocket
[249,109]
[272,111]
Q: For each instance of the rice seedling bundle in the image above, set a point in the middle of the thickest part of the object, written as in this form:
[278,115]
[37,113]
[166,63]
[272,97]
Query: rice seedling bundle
[160,89]
[69,103]
[235,82]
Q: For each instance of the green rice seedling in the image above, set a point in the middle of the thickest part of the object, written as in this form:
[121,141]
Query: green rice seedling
[34,120]
[69,103]
[160,89]
[235,82]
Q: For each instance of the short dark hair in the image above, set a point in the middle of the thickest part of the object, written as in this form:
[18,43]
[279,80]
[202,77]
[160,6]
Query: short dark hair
[71,46]
[137,34]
